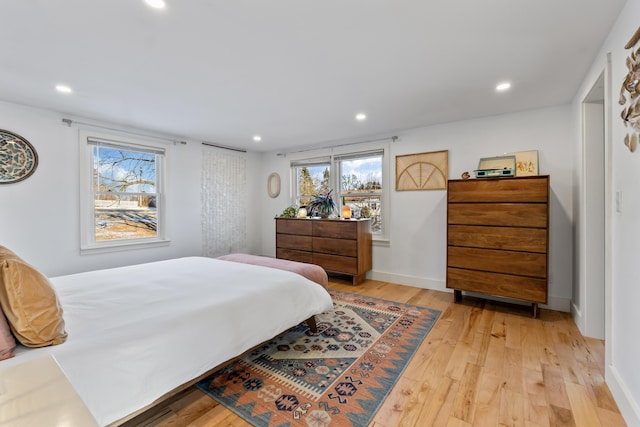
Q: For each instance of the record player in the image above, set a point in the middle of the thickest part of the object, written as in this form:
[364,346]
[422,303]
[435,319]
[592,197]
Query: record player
[496,167]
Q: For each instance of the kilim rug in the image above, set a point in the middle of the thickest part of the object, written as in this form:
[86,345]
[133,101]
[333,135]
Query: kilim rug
[337,377]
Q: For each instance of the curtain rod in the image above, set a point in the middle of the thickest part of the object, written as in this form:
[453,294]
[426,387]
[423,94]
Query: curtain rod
[224,147]
[392,138]
[70,122]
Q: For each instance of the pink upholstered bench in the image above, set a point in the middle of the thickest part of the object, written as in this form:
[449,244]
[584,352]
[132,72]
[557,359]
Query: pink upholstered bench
[312,272]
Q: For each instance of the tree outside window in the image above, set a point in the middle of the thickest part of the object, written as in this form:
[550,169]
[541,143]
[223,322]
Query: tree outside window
[311,180]
[125,194]
[361,188]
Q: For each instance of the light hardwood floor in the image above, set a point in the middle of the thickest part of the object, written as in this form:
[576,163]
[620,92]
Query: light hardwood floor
[483,364]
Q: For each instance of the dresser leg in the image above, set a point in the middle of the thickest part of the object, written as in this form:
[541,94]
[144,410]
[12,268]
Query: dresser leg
[357,279]
[457,295]
[534,310]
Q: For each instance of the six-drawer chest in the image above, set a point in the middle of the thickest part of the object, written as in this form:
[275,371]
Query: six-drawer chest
[498,238]
[339,246]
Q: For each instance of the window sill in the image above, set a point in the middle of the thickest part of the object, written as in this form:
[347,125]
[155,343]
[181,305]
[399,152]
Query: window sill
[118,247]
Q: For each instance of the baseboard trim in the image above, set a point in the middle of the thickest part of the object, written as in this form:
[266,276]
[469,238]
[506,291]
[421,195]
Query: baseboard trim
[401,279]
[577,318]
[628,407]
[555,303]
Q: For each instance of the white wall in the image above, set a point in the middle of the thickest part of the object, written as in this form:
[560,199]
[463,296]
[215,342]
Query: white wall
[416,254]
[622,347]
[39,217]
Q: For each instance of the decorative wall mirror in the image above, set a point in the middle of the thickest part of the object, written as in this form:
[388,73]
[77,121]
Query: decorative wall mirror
[18,158]
[273,185]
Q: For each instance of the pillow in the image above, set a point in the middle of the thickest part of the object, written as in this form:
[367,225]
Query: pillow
[7,342]
[29,302]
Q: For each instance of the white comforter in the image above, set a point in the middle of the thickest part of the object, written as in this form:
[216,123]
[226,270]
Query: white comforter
[137,332]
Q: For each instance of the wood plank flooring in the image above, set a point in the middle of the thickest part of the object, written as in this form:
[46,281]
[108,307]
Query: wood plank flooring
[484,363]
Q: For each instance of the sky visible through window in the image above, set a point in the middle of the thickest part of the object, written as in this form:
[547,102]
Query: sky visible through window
[124,171]
[364,170]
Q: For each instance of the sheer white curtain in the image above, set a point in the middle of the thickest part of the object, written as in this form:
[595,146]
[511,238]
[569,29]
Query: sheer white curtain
[224,193]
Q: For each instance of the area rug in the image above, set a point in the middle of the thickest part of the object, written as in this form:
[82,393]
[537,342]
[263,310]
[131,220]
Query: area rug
[338,376]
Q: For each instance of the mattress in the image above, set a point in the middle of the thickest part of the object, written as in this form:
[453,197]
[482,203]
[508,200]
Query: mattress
[138,332]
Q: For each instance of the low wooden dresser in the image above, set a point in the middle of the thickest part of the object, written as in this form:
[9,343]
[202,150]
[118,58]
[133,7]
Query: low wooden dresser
[337,245]
[498,238]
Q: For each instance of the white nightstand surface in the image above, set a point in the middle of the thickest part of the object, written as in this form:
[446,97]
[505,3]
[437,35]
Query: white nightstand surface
[37,393]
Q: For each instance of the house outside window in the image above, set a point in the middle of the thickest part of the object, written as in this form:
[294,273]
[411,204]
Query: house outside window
[359,179]
[122,197]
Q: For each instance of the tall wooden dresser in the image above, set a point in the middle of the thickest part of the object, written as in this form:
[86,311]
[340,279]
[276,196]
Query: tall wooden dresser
[498,238]
[340,246]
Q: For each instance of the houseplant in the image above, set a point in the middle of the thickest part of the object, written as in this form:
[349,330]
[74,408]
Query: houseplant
[289,212]
[322,204]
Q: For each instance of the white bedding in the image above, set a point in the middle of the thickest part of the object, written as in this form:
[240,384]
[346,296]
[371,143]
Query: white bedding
[138,332]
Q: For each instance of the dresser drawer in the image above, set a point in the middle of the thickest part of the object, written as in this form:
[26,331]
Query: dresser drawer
[293,255]
[498,214]
[291,241]
[499,190]
[335,246]
[294,226]
[509,262]
[508,238]
[337,229]
[501,285]
[336,263]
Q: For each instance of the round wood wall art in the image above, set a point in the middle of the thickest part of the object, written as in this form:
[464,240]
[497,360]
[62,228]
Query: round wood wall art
[18,158]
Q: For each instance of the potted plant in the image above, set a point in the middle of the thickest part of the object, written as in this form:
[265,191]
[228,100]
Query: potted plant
[290,212]
[322,204]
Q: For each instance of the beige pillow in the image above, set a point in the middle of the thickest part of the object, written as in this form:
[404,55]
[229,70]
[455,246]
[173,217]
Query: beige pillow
[29,303]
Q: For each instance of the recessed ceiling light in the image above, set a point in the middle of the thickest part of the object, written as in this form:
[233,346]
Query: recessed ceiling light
[156,4]
[361,116]
[503,86]
[257,138]
[63,89]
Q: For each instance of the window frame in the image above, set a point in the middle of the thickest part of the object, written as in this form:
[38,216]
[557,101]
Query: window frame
[333,156]
[88,243]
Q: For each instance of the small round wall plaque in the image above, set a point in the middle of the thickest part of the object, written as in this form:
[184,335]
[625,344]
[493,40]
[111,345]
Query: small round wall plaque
[18,158]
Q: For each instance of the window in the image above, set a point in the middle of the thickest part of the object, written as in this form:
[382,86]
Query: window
[122,200]
[361,186]
[310,177]
[358,179]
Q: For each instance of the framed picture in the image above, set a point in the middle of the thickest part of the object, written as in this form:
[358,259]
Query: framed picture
[422,171]
[526,163]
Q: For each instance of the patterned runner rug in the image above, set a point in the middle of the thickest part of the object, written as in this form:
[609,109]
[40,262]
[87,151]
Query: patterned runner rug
[337,377]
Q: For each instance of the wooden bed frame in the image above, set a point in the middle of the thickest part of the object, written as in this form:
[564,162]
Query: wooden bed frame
[310,271]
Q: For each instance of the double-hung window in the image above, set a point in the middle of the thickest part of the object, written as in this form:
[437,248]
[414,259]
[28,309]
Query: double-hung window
[122,197]
[360,176]
[359,179]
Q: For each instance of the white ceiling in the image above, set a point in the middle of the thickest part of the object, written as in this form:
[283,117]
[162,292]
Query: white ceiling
[296,71]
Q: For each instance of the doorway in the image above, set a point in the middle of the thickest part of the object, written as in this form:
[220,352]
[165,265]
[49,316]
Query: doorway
[589,294]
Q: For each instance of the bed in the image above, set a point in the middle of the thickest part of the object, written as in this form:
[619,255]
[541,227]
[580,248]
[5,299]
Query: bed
[136,333]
